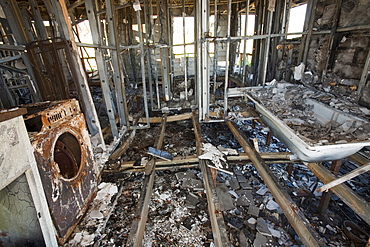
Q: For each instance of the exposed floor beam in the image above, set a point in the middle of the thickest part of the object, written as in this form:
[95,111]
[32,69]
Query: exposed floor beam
[326,196]
[270,158]
[173,118]
[296,218]
[136,234]
[215,214]
[356,203]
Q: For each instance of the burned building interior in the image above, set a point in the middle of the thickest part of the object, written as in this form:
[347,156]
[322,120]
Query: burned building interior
[184,123]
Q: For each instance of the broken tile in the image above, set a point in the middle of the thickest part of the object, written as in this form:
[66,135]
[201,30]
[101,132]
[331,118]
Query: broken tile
[242,179]
[243,201]
[237,171]
[236,222]
[243,240]
[262,191]
[192,198]
[185,175]
[195,184]
[246,186]
[275,233]
[234,194]
[260,240]
[272,205]
[253,210]
[331,228]
[213,154]
[234,184]
[188,222]
[227,151]
[224,197]
[262,227]
[78,237]
[252,221]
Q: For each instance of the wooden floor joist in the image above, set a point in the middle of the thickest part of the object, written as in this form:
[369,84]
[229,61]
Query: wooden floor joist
[356,203]
[298,221]
[172,118]
[270,158]
[359,159]
[137,229]
[217,220]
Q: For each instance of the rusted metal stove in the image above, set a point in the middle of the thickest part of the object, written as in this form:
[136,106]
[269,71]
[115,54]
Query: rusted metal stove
[63,152]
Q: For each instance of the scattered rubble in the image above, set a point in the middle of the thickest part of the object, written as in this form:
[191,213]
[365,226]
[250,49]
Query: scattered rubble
[178,211]
[178,214]
[290,103]
[94,223]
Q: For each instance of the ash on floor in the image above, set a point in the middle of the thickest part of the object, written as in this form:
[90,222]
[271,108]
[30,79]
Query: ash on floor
[178,211]
[118,226]
[178,214]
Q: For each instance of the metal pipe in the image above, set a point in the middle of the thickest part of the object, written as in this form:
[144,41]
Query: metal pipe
[118,76]
[156,80]
[82,86]
[237,48]
[171,54]
[6,47]
[148,49]
[267,48]
[126,47]
[204,58]
[353,28]
[297,219]
[227,56]
[154,53]
[270,158]
[160,168]
[245,41]
[95,46]
[215,54]
[184,39]
[356,172]
[142,67]
[198,37]
[330,51]
[8,59]
[191,43]
[262,36]
[75,4]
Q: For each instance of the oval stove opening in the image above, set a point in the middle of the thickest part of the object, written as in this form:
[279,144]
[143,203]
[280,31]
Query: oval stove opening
[67,155]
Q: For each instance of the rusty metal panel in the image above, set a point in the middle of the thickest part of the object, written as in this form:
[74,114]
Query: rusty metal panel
[65,161]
